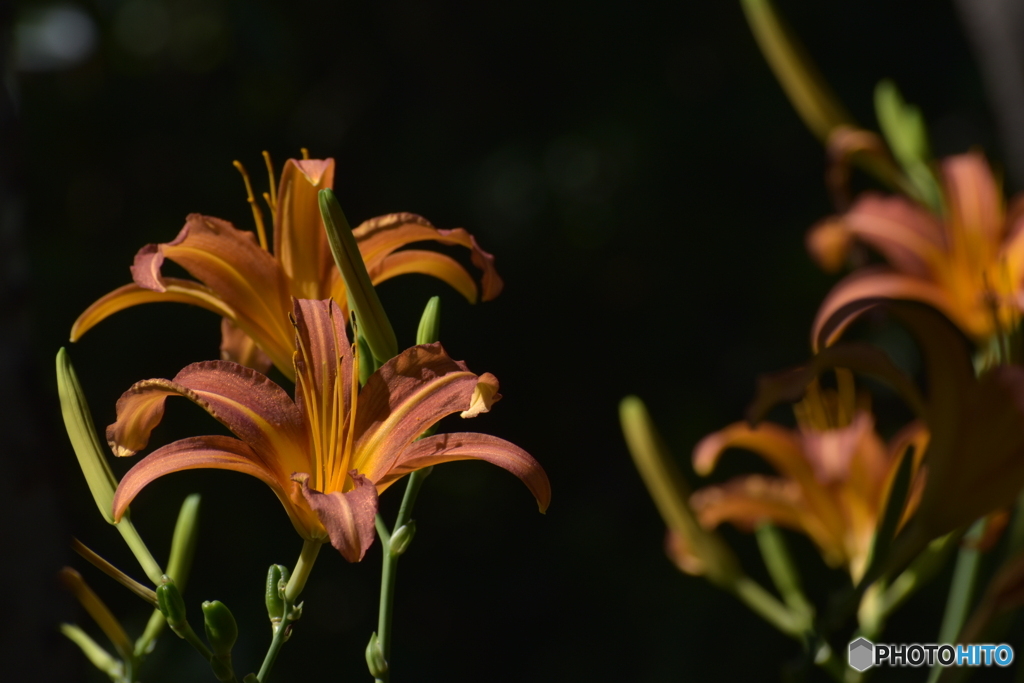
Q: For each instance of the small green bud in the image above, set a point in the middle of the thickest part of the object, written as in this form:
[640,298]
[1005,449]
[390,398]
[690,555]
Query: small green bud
[221,628]
[82,432]
[429,330]
[363,299]
[277,576]
[172,606]
[375,661]
[402,537]
[250,678]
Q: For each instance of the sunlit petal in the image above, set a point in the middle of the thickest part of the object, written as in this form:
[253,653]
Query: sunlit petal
[380,236]
[442,448]
[174,289]
[348,517]
[300,243]
[254,408]
[406,396]
[432,263]
[212,452]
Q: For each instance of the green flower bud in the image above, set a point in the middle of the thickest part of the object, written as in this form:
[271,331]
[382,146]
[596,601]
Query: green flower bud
[429,330]
[402,537]
[221,628]
[277,576]
[172,606]
[82,432]
[375,658]
[363,299]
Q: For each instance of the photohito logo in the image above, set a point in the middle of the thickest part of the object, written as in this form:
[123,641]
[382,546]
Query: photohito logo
[864,654]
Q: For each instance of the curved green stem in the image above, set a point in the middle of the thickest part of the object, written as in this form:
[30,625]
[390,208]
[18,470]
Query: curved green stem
[310,549]
[389,570]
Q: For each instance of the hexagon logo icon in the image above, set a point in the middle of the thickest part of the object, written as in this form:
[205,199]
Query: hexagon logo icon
[862,654]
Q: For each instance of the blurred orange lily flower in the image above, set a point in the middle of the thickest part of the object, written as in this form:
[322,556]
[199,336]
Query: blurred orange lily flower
[835,472]
[252,288]
[969,264]
[328,453]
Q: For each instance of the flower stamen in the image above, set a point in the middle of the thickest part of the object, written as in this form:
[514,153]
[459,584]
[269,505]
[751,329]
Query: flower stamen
[257,214]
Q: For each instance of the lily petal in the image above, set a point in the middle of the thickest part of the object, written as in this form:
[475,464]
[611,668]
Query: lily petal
[782,449]
[906,235]
[441,266]
[216,452]
[380,236]
[174,289]
[750,500]
[975,205]
[348,517]
[881,283]
[238,347]
[405,397]
[441,448]
[231,263]
[253,407]
[299,239]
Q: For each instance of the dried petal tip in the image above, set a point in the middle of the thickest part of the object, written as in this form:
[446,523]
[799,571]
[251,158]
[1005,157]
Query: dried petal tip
[485,394]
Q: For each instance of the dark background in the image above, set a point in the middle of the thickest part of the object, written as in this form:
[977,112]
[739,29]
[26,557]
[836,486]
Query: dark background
[645,187]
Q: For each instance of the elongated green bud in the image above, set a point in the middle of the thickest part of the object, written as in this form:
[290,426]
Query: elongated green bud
[367,363]
[808,92]
[99,657]
[375,660]
[183,543]
[99,612]
[402,537]
[694,549]
[82,432]
[277,576]
[221,627]
[172,606]
[430,322]
[363,299]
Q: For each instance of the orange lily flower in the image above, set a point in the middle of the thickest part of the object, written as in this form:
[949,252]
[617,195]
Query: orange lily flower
[835,474]
[252,288]
[969,264]
[331,451]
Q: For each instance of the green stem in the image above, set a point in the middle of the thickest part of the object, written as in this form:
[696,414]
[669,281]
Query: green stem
[154,627]
[769,608]
[139,549]
[310,549]
[280,635]
[389,570]
[961,590]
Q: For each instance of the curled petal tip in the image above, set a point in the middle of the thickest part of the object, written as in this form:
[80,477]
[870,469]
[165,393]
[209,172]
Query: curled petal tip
[485,394]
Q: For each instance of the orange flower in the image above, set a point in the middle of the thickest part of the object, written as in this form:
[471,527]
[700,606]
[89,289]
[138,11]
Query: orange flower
[252,288]
[835,474]
[328,453]
[968,264]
